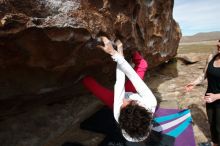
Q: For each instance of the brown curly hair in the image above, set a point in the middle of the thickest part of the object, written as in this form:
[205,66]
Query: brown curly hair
[135,120]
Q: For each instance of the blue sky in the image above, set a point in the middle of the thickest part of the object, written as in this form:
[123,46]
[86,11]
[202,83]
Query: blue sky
[196,16]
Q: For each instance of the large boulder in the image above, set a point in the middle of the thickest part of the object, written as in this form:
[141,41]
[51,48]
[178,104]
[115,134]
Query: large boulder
[46,44]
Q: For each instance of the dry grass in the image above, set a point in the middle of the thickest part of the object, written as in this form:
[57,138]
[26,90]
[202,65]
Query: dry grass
[196,47]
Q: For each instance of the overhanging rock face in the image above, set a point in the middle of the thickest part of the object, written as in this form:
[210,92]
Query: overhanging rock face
[46,44]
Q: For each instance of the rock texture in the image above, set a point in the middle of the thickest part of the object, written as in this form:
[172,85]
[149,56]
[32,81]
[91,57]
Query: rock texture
[190,58]
[46,44]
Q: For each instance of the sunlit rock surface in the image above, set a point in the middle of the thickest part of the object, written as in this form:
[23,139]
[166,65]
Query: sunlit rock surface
[45,45]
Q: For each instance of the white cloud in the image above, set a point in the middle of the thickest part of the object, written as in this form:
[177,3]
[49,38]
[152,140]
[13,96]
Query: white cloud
[197,15]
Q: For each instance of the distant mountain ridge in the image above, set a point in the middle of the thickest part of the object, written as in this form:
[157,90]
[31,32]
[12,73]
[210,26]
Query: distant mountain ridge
[206,36]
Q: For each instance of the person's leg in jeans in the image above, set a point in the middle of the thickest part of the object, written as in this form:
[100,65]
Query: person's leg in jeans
[140,68]
[106,95]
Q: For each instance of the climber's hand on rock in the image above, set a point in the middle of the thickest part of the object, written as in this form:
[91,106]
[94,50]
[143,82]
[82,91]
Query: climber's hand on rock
[108,48]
